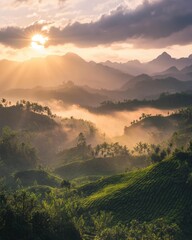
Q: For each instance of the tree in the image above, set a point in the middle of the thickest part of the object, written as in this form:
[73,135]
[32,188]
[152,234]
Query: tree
[110,150]
[65,184]
[81,140]
[14,152]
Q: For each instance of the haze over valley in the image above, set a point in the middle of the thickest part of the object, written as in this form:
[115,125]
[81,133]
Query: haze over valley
[95,120]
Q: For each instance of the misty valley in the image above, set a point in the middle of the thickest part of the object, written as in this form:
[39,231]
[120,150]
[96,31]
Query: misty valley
[88,151]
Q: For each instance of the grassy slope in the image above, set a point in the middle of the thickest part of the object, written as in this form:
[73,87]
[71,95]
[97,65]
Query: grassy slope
[98,166]
[28,178]
[158,191]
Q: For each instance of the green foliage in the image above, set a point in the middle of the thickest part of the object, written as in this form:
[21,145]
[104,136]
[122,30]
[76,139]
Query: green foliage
[84,152]
[75,154]
[106,208]
[110,150]
[165,101]
[65,184]
[113,233]
[5,103]
[80,126]
[102,221]
[158,230]
[95,166]
[142,148]
[80,181]
[34,107]
[81,141]
[163,189]
[14,152]
[152,152]
[23,215]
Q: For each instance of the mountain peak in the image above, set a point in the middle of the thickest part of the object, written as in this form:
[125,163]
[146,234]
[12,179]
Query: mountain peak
[73,56]
[164,55]
[142,77]
[172,69]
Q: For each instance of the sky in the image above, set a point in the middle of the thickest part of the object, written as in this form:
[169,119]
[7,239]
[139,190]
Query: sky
[97,30]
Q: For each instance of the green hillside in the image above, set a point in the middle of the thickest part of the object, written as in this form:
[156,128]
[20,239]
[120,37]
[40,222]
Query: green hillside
[99,166]
[158,128]
[18,118]
[45,131]
[159,191]
[40,177]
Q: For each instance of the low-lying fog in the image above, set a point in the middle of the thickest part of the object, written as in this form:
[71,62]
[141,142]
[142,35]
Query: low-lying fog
[111,124]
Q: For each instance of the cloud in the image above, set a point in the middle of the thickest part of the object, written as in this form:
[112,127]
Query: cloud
[16,37]
[160,23]
[27,1]
[149,21]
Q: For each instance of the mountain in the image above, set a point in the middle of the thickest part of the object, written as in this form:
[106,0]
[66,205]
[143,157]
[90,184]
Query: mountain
[54,70]
[171,70]
[184,74]
[139,87]
[134,67]
[187,70]
[159,64]
[164,60]
[135,80]
[149,88]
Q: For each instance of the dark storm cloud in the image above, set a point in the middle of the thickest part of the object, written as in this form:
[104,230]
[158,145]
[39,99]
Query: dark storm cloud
[149,21]
[161,22]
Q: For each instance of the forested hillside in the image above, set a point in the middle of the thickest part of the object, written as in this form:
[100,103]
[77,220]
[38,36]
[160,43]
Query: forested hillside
[92,190]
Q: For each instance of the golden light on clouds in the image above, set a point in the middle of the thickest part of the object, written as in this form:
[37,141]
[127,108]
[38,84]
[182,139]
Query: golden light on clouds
[38,42]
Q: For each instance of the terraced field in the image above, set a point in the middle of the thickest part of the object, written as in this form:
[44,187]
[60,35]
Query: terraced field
[160,191]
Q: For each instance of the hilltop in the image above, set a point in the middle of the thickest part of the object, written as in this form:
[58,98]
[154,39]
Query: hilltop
[34,123]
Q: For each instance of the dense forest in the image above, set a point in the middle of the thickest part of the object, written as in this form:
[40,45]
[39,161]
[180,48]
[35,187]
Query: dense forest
[101,191]
[165,101]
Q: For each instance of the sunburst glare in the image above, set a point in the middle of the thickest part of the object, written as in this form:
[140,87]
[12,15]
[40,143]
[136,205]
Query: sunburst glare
[38,42]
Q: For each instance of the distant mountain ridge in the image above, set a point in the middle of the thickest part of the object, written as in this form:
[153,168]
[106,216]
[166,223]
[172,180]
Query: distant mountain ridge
[159,64]
[184,74]
[72,80]
[54,70]
[139,87]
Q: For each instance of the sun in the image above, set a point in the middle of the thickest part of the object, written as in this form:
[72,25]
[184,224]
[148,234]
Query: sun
[38,42]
